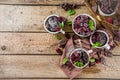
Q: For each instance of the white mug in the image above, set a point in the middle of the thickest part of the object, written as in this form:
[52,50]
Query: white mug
[89,17]
[103,14]
[107,46]
[51,31]
[87,52]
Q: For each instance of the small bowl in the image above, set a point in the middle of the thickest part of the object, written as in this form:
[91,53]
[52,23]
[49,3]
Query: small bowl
[107,46]
[105,14]
[90,18]
[87,52]
[49,30]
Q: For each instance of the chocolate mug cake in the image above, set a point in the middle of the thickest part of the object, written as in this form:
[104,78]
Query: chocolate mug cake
[107,7]
[54,24]
[84,25]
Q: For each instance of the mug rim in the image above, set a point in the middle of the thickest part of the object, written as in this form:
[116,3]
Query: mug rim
[104,14]
[85,52]
[106,36]
[45,26]
[89,17]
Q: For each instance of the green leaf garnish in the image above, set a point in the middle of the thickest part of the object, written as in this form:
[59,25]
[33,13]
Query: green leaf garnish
[65,60]
[58,37]
[79,64]
[69,23]
[71,12]
[91,24]
[92,60]
[61,25]
[97,44]
[92,27]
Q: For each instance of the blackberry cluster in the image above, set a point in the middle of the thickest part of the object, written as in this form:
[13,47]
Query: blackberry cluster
[67,6]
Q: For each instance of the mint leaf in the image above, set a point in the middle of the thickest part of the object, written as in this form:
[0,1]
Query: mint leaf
[91,22]
[65,60]
[92,60]
[92,27]
[58,37]
[97,44]
[69,23]
[79,64]
[94,46]
[61,25]
[71,12]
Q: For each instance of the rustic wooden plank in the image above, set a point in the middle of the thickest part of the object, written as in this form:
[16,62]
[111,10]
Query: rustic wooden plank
[31,43]
[51,79]
[27,43]
[22,66]
[31,18]
[39,1]
[116,50]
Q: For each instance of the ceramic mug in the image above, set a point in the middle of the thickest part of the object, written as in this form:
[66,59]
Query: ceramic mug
[103,14]
[107,46]
[86,52]
[60,31]
[90,18]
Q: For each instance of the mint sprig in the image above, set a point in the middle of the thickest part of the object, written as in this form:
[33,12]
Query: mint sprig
[92,60]
[97,44]
[91,24]
[79,64]
[61,25]
[69,23]
[65,60]
[71,12]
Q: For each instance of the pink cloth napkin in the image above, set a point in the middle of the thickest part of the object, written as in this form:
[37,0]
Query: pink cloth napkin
[74,42]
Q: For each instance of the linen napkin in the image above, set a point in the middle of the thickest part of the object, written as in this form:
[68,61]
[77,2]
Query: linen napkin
[72,43]
[77,42]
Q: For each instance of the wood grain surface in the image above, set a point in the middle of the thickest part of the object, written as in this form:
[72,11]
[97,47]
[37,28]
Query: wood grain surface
[48,79]
[37,66]
[46,2]
[31,18]
[31,43]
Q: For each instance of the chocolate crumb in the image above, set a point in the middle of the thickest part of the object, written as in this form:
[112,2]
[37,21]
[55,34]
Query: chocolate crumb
[74,6]
[67,6]
[67,35]
[59,51]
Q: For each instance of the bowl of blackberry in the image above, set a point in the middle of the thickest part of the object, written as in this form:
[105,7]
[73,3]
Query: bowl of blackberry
[84,25]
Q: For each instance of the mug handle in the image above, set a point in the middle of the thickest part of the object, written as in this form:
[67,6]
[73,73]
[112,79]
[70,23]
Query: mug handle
[107,46]
[90,51]
[63,32]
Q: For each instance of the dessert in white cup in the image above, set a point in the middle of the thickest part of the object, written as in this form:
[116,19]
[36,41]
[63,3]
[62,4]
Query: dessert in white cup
[51,24]
[80,57]
[107,7]
[100,39]
[84,25]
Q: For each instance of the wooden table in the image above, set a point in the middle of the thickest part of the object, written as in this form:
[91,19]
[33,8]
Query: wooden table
[26,50]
